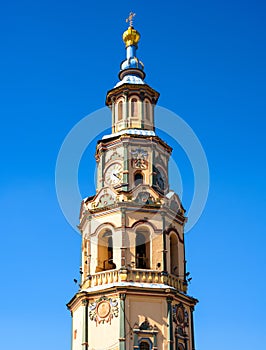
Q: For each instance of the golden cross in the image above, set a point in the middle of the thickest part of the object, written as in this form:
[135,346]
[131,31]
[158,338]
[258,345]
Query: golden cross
[130,18]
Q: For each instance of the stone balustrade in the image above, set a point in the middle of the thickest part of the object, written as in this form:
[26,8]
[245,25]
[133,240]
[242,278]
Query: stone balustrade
[134,275]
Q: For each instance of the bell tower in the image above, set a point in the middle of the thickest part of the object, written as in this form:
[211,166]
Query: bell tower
[133,288]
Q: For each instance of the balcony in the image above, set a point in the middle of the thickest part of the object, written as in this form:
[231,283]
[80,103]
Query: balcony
[134,275]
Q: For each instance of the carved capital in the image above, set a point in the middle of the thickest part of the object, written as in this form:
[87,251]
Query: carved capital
[169,300]
[85,302]
[122,296]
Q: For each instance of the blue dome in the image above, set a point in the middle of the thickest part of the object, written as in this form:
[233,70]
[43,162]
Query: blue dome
[131,69]
[132,62]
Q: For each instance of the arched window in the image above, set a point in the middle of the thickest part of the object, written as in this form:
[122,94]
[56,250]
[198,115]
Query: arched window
[147,110]
[142,250]
[120,111]
[105,251]
[144,345]
[134,107]
[138,179]
[109,263]
[174,253]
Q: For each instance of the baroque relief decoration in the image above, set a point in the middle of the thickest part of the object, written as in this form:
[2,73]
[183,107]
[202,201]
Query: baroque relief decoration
[145,327]
[103,310]
[180,315]
[105,200]
[174,206]
[160,160]
[139,158]
[116,154]
[144,197]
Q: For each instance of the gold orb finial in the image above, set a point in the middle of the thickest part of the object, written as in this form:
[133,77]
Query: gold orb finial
[131,36]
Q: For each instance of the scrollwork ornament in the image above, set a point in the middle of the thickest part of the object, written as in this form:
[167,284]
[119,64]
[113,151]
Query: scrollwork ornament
[139,157]
[180,315]
[103,310]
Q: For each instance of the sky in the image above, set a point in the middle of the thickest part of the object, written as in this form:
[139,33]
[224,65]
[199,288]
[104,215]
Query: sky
[207,59]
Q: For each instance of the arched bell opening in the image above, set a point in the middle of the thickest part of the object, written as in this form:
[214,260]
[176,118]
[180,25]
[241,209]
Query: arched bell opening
[142,249]
[105,251]
[138,178]
[173,253]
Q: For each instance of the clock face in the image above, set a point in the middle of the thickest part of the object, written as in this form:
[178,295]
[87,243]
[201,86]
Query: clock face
[113,174]
[160,179]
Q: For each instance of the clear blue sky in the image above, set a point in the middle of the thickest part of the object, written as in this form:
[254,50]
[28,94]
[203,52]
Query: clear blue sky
[58,59]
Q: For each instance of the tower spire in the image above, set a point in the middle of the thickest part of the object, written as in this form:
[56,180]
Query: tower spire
[131,69]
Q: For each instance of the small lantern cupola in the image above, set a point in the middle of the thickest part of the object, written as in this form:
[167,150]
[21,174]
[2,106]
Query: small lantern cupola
[132,101]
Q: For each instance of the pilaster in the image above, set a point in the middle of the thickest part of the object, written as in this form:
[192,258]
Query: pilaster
[170,323]
[85,344]
[122,334]
[192,327]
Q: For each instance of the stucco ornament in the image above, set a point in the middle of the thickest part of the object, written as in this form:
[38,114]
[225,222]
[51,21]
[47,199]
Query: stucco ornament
[103,310]
[180,315]
[139,157]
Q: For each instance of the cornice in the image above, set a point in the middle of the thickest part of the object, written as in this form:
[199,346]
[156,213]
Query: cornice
[165,292]
[104,144]
[131,88]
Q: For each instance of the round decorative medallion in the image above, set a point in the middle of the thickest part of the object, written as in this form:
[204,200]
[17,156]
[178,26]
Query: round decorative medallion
[180,315]
[103,309]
